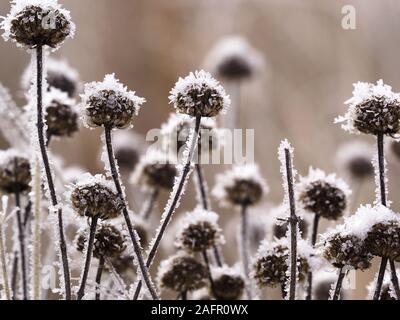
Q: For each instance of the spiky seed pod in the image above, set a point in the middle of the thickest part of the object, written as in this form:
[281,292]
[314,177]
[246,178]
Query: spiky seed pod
[95,197]
[199,231]
[182,273]
[279,230]
[373,109]
[234,59]
[346,250]
[37,23]
[228,284]
[322,194]
[199,94]
[155,170]
[109,104]
[15,173]
[241,186]
[109,242]
[383,240]
[61,114]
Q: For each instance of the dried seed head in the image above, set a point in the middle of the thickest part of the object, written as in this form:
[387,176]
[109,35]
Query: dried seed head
[96,197]
[271,263]
[199,231]
[280,229]
[234,59]
[241,186]
[346,250]
[109,104]
[199,94]
[373,109]
[128,145]
[182,273]
[322,194]
[383,240]
[155,170]
[229,284]
[356,158]
[61,114]
[15,174]
[37,23]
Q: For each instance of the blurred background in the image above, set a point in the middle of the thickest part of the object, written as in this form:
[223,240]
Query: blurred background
[311,63]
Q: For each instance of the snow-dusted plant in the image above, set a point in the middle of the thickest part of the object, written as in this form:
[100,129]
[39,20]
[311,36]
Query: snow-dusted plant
[228,283]
[375,109]
[36,25]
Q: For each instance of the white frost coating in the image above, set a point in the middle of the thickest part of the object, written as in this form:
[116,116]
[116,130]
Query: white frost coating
[234,47]
[55,95]
[197,80]
[6,156]
[250,172]
[109,83]
[3,250]
[234,271]
[375,163]
[363,92]
[18,5]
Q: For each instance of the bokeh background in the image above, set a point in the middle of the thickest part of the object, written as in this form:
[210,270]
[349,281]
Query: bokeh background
[311,63]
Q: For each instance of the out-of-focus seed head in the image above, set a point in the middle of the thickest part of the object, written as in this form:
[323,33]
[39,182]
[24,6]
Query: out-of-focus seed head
[383,240]
[15,173]
[228,284]
[37,23]
[182,273]
[324,195]
[279,230]
[96,197]
[199,94]
[199,231]
[241,186]
[373,109]
[109,104]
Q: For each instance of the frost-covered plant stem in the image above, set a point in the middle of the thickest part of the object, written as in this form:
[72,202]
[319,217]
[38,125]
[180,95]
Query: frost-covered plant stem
[49,177]
[201,186]
[36,232]
[339,283]
[149,206]
[244,247]
[144,269]
[21,239]
[14,276]
[176,196]
[89,252]
[4,269]
[395,279]
[293,226]
[382,187]
[313,242]
[99,273]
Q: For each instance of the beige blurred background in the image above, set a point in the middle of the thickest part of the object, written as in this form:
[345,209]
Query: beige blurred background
[311,65]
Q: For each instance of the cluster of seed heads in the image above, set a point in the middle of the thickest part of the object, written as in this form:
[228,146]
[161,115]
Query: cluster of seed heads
[15,175]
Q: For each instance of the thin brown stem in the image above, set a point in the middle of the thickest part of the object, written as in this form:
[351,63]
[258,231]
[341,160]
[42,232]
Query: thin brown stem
[313,242]
[144,270]
[21,239]
[89,252]
[244,247]
[149,207]
[99,273]
[184,295]
[14,276]
[338,288]
[381,276]
[49,176]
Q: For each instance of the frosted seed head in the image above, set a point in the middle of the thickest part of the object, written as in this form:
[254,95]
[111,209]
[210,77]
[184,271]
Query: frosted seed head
[280,230]
[95,198]
[199,94]
[182,273]
[383,240]
[199,231]
[15,173]
[109,104]
[229,284]
[34,23]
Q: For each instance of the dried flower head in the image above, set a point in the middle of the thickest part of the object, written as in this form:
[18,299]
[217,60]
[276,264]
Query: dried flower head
[156,169]
[199,231]
[182,273]
[373,109]
[228,283]
[128,146]
[234,59]
[15,173]
[199,94]
[177,130]
[356,158]
[323,194]
[279,217]
[93,196]
[343,249]
[34,23]
[109,242]
[61,114]
[109,104]
[241,186]
[271,262]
